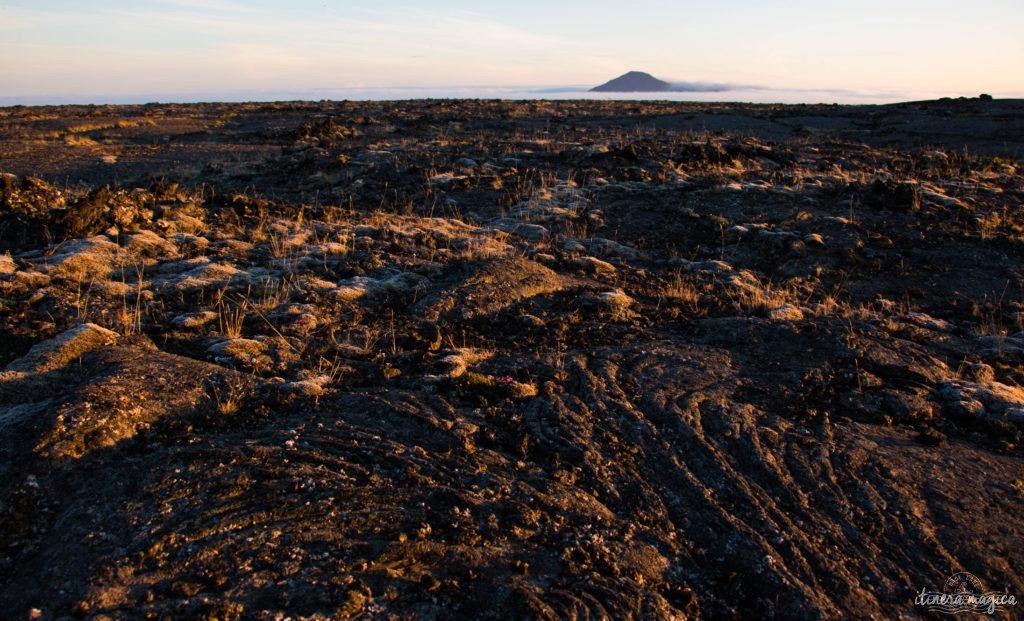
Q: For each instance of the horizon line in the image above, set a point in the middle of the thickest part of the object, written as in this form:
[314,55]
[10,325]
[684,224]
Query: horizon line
[297,94]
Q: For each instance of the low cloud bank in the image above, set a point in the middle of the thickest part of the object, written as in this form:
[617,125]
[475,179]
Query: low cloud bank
[707,87]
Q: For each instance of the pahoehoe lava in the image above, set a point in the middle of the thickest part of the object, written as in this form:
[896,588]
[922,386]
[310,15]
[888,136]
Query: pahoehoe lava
[488,359]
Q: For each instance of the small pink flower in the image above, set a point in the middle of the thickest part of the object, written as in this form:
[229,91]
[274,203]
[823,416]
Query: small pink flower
[505,379]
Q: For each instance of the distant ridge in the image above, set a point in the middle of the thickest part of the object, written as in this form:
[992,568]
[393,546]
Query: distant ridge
[633,82]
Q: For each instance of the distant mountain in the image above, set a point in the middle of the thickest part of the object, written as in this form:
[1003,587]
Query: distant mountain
[633,82]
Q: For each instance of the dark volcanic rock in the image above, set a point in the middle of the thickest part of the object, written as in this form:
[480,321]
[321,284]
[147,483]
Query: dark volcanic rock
[493,359]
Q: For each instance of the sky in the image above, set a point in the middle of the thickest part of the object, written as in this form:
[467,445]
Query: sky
[120,48]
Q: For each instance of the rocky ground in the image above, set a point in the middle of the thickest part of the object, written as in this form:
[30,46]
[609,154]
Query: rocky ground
[509,359]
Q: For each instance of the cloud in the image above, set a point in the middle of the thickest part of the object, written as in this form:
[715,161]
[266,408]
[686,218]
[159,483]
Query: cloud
[260,48]
[211,5]
[16,18]
[707,87]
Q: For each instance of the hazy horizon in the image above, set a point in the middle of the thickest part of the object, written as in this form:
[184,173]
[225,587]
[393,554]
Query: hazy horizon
[57,51]
[733,94]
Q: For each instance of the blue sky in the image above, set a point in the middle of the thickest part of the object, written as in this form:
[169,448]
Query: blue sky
[124,48]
